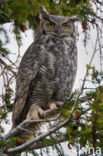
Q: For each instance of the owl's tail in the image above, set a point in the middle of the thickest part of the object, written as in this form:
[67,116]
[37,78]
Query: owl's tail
[28,131]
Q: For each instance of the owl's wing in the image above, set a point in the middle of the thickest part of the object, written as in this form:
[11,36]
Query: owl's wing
[28,70]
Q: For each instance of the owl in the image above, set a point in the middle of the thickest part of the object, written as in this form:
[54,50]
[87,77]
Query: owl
[47,70]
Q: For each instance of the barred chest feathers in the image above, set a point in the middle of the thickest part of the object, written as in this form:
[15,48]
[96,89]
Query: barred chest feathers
[59,54]
[58,71]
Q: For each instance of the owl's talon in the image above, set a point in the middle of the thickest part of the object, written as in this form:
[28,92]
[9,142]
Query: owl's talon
[59,103]
[52,106]
[34,112]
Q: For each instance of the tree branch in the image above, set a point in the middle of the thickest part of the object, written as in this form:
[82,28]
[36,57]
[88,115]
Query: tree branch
[37,139]
[47,112]
[50,131]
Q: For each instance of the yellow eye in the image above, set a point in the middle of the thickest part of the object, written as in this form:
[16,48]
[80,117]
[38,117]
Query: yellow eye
[65,26]
[51,25]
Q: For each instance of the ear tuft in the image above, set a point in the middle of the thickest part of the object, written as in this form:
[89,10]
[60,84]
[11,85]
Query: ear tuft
[74,18]
[44,12]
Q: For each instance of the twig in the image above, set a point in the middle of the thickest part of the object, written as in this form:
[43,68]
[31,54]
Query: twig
[98,17]
[101,3]
[6,66]
[23,129]
[43,120]
[85,98]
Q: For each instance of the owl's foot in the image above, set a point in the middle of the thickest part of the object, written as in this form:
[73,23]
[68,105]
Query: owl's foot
[53,105]
[59,103]
[36,112]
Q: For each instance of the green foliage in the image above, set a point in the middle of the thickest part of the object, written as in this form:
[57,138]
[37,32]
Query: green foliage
[88,128]
[8,106]
[8,143]
[24,13]
[3,51]
[96,76]
[47,142]
[7,99]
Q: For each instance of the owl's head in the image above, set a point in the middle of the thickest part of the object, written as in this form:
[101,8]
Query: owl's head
[61,26]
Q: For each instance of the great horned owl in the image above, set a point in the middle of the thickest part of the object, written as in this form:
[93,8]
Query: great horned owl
[48,69]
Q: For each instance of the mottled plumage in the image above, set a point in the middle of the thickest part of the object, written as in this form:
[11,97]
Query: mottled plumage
[48,68]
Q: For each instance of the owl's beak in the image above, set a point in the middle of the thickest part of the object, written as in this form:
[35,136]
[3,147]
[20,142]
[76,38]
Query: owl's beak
[58,30]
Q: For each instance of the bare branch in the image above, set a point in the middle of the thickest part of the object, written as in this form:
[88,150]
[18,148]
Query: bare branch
[6,66]
[99,18]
